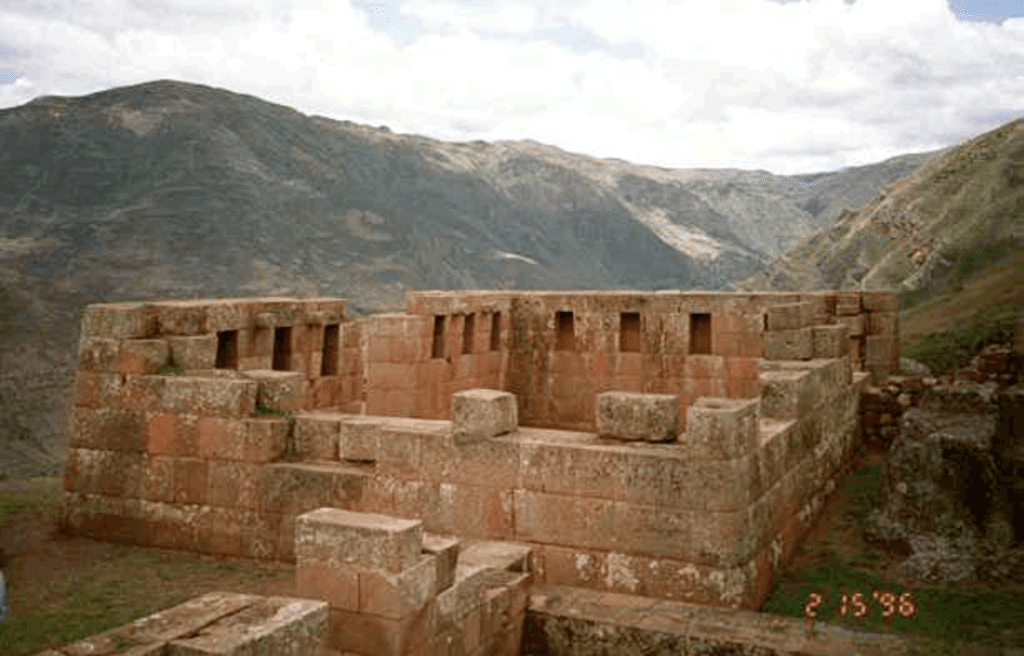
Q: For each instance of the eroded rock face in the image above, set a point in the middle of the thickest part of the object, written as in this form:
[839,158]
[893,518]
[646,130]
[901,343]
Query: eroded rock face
[950,486]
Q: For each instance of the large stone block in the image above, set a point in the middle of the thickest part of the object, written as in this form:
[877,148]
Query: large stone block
[266,439]
[316,436]
[789,344]
[207,396]
[280,390]
[482,414]
[118,321]
[786,394]
[718,429]
[830,341]
[362,540]
[784,317]
[141,356]
[854,324]
[648,417]
[273,625]
[398,595]
[196,352]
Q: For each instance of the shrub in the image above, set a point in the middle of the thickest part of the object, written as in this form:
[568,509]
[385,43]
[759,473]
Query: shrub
[948,350]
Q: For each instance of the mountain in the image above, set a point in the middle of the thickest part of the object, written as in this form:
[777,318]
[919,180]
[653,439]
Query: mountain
[171,190]
[925,233]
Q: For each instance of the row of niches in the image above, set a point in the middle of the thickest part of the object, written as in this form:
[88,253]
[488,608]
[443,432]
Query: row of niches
[629,333]
[629,339]
[227,349]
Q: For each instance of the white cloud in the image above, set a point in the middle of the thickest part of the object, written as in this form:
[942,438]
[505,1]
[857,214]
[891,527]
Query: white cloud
[789,87]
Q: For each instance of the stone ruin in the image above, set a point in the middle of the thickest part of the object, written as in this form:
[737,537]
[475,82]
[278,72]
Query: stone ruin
[425,471]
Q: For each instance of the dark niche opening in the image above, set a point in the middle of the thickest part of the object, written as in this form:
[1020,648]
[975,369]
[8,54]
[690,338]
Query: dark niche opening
[629,332]
[437,348]
[227,349]
[467,333]
[282,348]
[329,358]
[700,334]
[496,331]
[565,333]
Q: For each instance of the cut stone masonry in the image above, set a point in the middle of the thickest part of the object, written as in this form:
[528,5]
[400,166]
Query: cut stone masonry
[671,445]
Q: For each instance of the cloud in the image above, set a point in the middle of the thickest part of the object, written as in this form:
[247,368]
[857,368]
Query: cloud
[805,85]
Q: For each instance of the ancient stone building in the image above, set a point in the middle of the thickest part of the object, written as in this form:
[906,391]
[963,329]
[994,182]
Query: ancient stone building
[674,445]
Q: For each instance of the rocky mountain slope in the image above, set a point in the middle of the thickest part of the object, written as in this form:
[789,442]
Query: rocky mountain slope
[925,232]
[170,190]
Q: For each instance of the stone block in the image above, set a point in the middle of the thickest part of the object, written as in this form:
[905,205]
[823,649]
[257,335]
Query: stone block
[98,354]
[785,317]
[854,324]
[789,344]
[223,439]
[141,356]
[208,396]
[786,394]
[647,417]
[316,437]
[363,540]
[196,352]
[280,390]
[273,625]
[181,317]
[338,586]
[718,429]
[446,552]
[830,341]
[118,321]
[358,438]
[481,414]
[398,595]
[880,301]
[266,439]
[813,310]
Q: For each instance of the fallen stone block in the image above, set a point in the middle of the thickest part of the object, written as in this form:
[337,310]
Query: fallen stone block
[634,417]
[480,414]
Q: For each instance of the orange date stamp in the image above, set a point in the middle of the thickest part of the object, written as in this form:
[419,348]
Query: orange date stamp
[856,606]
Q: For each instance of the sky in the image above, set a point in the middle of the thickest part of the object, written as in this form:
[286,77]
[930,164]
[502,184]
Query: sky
[786,86]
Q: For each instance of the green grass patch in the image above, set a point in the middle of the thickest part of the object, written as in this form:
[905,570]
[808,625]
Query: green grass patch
[948,350]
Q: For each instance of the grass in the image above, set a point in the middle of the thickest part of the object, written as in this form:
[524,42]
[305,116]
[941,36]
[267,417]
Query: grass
[87,595]
[946,351]
[946,619]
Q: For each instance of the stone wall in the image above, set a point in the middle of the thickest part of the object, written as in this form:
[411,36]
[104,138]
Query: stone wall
[186,462]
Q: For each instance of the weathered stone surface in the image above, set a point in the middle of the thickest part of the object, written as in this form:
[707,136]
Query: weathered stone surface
[195,352]
[362,539]
[483,413]
[280,390]
[273,625]
[795,344]
[647,417]
[941,492]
